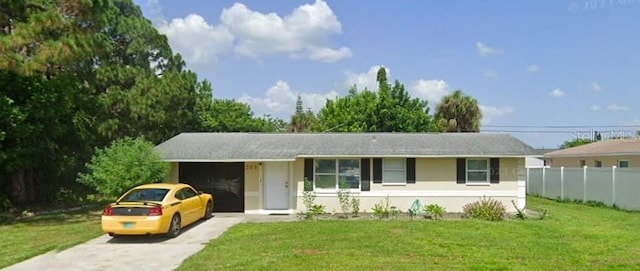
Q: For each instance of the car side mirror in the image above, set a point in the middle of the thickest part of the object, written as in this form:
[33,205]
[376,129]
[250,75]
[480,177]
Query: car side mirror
[199,192]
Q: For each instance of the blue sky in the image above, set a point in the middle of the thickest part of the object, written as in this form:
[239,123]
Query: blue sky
[545,71]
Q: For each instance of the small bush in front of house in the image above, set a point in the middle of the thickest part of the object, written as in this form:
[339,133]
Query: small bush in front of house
[433,211]
[355,206]
[486,208]
[394,211]
[311,208]
[344,197]
[381,209]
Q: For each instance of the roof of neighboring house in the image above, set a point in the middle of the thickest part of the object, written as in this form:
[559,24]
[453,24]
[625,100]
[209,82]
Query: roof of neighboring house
[609,147]
[288,146]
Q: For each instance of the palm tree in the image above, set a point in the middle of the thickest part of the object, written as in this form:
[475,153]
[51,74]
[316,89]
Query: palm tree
[458,113]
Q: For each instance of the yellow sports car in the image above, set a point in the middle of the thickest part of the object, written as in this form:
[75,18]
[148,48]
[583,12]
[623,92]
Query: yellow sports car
[160,208]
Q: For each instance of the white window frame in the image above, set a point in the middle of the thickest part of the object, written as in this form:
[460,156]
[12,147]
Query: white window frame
[337,175]
[467,170]
[620,165]
[404,171]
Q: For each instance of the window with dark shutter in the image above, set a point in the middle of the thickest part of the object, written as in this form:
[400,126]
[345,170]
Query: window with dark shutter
[461,170]
[365,173]
[494,169]
[411,170]
[377,170]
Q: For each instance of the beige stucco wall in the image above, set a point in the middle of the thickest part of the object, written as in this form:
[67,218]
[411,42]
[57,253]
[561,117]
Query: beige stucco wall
[252,182]
[435,183]
[174,174]
[607,161]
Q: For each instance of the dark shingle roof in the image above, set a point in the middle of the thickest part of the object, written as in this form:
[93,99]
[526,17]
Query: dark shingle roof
[264,146]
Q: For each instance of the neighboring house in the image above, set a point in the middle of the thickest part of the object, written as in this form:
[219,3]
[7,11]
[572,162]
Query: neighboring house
[265,173]
[537,160]
[620,152]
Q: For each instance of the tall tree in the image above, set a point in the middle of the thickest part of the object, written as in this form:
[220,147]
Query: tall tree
[390,109]
[301,120]
[76,75]
[458,112]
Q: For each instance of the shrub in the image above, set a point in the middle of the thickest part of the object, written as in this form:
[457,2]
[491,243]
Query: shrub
[344,197]
[520,212]
[381,209]
[312,209]
[486,208]
[394,211]
[355,206]
[433,211]
[124,164]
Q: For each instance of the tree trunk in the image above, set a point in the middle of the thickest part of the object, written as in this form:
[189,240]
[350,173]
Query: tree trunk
[22,187]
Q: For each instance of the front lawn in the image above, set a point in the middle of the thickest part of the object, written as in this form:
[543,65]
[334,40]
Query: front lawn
[30,237]
[571,237]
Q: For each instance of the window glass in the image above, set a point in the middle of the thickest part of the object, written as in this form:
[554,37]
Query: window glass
[331,173]
[477,170]
[393,170]
[188,193]
[147,194]
[623,163]
[325,166]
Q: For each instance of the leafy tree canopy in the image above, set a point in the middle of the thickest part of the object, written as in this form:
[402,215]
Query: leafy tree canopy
[390,109]
[458,112]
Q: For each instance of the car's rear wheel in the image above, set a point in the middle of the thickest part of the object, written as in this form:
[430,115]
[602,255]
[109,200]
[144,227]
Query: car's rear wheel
[208,211]
[174,228]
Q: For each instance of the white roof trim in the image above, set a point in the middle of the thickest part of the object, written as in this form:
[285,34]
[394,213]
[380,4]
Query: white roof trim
[592,155]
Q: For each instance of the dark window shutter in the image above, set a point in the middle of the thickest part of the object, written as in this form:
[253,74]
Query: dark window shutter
[365,174]
[377,170]
[494,170]
[308,174]
[461,169]
[411,170]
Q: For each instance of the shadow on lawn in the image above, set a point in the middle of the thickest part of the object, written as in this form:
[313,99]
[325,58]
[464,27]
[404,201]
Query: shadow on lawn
[74,215]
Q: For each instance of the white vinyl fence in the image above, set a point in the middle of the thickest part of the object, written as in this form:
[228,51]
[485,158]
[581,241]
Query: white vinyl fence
[619,186]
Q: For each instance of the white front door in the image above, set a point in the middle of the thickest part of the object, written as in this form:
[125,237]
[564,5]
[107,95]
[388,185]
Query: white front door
[276,185]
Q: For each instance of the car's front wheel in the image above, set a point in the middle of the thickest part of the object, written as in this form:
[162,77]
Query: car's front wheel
[208,211]
[174,228]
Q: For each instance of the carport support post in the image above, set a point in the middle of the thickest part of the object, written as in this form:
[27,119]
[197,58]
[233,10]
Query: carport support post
[561,183]
[584,184]
[613,185]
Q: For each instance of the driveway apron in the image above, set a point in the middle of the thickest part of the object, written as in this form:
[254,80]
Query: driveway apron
[131,253]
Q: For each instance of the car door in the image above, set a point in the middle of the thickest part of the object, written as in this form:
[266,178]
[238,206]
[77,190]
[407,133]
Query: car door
[191,206]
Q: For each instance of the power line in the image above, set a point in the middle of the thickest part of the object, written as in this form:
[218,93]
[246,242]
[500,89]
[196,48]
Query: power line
[562,126]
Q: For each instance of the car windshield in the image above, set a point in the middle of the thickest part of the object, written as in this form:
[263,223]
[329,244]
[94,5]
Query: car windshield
[146,194]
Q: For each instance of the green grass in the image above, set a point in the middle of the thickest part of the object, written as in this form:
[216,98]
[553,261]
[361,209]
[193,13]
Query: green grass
[571,237]
[23,239]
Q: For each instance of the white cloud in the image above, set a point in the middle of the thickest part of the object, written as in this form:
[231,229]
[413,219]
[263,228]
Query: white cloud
[617,107]
[594,108]
[197,41]
[485,51]
[280,101]
[430,90]
[533,68]
[557,93]
[491,112]
[595,86]
[305,31]
[490,73]
[366,79]
[328,54]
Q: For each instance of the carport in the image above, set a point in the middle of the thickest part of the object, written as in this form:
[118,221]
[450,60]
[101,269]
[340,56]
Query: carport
[224,180]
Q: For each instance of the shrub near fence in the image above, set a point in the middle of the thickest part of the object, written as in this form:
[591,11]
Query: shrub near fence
[611,186]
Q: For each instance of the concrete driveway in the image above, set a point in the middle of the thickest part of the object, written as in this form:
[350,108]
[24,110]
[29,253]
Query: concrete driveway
[132,253]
